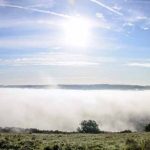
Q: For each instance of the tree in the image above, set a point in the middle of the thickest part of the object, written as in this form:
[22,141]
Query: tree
[147,128]
[88,126]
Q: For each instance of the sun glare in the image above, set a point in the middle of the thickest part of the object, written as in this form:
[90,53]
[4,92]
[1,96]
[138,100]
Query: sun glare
[77,32]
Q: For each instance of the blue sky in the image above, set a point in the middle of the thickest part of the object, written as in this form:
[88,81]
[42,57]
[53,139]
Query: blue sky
[74,42]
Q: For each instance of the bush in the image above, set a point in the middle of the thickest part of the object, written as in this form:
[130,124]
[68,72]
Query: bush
[7,145]
[126,131]
[55,147]
[147,128]
[47,148]
[88,126]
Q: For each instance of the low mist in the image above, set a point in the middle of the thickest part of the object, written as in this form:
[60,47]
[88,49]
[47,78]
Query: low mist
[56,109]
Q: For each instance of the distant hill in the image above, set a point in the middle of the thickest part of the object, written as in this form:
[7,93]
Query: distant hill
[81,87]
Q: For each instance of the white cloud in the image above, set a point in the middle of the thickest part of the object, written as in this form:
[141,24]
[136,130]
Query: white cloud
[57,59]
[49,41]
[99,15]
[128,24]
[139,64]
[136,17]
[44,23]
[28,42]
[145,28]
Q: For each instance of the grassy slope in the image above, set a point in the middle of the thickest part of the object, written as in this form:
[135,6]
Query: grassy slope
[112,141]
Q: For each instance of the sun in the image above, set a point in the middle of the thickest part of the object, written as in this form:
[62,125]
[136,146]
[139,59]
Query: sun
[77,32]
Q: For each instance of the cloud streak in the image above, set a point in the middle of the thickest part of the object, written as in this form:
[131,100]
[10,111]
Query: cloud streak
[52,59]
[35,10]
[138,1]
[106,7]
[137,64]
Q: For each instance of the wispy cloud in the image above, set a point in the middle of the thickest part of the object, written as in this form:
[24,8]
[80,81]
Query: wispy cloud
[41,62]
[39,6]
[47,41]
[107,7]
[137,18]
[35,10]
[29,42]
[138,64]
[138,1]
[29,23]
[51,59]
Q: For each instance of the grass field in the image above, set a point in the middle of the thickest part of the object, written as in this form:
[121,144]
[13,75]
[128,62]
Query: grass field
[113,141]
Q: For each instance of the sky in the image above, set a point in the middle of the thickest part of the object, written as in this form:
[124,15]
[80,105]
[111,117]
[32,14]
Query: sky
[74,42]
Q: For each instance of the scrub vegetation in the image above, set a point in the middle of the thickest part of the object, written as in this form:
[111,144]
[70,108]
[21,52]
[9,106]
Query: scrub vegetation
[75,141]
[87,137]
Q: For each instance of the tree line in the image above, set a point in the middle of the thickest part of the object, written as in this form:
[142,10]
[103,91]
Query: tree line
[86,126]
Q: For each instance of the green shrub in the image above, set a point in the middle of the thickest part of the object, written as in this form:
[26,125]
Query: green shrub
[47,148]
[126,131]
[56,147]
[147,128]
[7,145]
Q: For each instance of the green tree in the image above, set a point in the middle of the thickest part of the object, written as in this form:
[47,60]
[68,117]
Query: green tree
[147,128]
[88,126]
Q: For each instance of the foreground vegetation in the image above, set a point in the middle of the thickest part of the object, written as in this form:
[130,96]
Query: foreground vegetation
[87,137]
[75,141]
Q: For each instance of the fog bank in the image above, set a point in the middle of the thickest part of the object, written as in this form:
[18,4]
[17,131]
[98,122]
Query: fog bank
[57,109]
